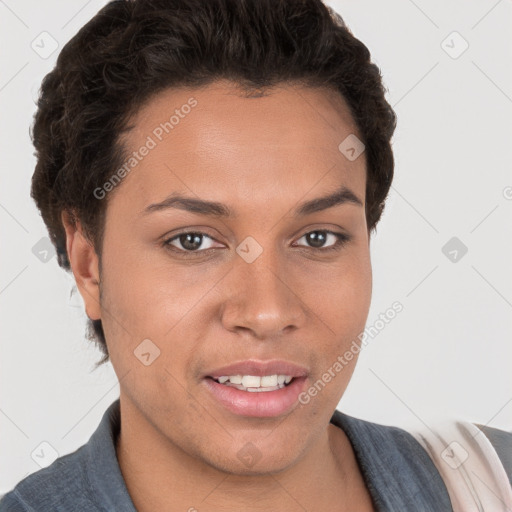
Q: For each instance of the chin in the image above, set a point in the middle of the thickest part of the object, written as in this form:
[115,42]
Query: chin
[252,458]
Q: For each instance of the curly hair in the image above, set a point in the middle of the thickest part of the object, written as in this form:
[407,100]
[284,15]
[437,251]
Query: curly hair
[132,49]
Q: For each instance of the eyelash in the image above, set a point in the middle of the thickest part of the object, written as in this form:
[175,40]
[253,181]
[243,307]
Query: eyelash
[341,240]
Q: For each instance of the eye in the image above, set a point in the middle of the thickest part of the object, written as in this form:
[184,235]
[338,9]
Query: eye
[192,242]
[319,237]
[189,242]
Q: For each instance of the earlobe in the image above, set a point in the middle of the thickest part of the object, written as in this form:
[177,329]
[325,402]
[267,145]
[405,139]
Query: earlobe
[84,265]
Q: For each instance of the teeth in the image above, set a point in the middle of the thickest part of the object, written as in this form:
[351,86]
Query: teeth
[257,390]
[251,381]
[254,390]
[269,380]
[255,383]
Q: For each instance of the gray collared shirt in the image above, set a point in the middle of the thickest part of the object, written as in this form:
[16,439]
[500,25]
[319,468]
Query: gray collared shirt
[398,472]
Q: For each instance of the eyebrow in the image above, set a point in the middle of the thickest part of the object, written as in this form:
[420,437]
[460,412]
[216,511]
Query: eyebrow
[176,200]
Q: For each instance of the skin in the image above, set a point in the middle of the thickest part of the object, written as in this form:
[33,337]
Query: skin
[261,156]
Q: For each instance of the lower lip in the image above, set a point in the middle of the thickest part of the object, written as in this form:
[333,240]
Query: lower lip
[261,404]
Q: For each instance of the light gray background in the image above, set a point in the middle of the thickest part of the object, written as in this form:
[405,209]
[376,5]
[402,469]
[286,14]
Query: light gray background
[448,353]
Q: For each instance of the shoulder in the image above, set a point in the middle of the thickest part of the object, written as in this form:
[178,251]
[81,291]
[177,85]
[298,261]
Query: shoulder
[87,479]
[62,486]
[407,466]
[11,502]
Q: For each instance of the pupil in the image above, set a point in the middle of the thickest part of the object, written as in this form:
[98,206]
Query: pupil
[191,241]
[316,238]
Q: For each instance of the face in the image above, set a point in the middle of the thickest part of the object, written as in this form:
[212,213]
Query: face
[184,293]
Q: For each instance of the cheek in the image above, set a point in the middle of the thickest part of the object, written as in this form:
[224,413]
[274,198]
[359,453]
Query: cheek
[147,299]
[145,291]
[355,286]
[340,294]
[343,310]
[340,314]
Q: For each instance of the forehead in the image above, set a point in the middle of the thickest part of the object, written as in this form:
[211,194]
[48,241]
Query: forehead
[284,115]
[214,142]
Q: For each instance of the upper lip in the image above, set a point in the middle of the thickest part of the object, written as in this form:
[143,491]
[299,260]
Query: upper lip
[260,368]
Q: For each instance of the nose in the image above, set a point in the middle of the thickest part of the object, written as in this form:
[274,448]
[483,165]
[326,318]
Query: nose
[261,298]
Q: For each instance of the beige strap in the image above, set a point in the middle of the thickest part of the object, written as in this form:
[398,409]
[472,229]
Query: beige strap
[469,465]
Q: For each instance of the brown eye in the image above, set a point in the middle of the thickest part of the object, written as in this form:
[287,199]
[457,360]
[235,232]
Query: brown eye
[193,242]
[189,242]
[318,238]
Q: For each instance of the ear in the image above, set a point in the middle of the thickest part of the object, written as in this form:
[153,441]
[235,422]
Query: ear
[84,265]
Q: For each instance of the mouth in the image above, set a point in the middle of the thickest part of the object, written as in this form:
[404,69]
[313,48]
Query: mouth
[256,396]
[255,383]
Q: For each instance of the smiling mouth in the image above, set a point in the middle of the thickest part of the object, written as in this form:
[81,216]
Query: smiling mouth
[262,401]
[255,384]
